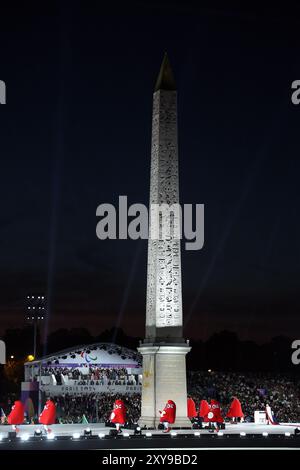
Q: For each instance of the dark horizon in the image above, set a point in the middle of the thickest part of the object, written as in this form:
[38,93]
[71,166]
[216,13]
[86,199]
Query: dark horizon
[223,351]
[76,132]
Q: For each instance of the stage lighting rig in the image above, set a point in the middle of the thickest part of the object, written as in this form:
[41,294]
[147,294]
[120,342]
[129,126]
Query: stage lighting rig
[297,432]
[137,430]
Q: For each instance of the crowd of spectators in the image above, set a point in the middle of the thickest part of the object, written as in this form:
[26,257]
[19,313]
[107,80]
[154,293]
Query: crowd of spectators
[95,407]
[255,391]
[91,376]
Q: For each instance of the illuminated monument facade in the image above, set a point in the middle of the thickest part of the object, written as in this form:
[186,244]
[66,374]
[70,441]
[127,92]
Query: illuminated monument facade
[164,349]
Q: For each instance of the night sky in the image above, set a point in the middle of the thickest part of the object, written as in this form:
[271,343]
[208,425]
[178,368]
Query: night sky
[76,132]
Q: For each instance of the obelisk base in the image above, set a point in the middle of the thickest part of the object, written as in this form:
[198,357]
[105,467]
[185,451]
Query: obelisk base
[164,378]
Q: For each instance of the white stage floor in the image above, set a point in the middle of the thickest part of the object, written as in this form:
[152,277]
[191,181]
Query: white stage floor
[70,429]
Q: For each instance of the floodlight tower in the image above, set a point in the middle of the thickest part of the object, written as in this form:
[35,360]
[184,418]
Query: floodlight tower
[35,313]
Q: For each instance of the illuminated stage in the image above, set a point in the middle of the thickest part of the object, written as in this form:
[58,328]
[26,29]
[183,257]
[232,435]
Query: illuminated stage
[72,436]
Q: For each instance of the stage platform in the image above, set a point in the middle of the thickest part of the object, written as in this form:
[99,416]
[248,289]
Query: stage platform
[71,436]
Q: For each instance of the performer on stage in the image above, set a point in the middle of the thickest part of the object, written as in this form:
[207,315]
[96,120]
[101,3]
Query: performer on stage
[48,415]
[16,416]
[214,415]
[3,418]
[118,415]
[168,415]
[191,408]
[270,416]
[204,410]
[235,411]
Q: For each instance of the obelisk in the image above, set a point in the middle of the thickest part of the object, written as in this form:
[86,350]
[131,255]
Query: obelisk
[164,349]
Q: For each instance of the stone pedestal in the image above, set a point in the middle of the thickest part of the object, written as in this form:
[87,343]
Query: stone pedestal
[164,378]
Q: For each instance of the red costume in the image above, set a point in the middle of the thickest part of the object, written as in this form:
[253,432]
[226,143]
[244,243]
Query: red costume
[48,415]
[214,414]
[118,415]
[204,409]
[191,408]
[168,415]
[16,416]
[235,410]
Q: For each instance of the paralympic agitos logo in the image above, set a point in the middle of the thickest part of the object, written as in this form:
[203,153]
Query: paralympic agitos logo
[88,357]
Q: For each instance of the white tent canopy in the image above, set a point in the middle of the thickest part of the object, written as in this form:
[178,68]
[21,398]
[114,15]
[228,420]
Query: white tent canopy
[76,370]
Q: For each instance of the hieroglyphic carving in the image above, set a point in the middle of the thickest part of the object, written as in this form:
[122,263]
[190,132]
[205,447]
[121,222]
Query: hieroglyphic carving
[164,298]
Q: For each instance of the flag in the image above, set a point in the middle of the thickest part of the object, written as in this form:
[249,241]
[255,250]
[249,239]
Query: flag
[84,420]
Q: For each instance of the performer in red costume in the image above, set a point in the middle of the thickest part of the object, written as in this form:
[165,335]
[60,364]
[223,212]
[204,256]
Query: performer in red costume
[216,410]
[214,415]
[118,415]
[48,415]
[191,408]
[235,410]
[204,410]
[16,416]
[168,415]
